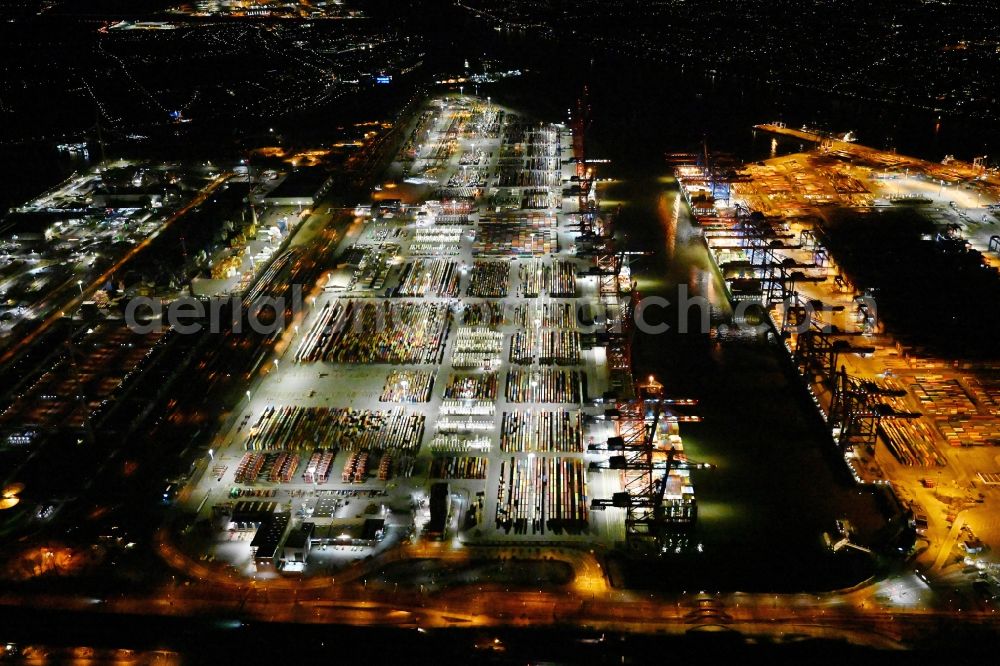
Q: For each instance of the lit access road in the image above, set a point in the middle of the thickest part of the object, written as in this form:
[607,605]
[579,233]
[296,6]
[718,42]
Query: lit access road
[875,615]
[886,613]
[56,304]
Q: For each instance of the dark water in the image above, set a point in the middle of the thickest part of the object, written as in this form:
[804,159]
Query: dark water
[777,484]
[28,170]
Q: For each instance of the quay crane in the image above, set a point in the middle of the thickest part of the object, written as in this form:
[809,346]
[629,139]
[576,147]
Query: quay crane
[646,464]
[857,410]
[763,273]
[586,205]
[817,352]
[618,291]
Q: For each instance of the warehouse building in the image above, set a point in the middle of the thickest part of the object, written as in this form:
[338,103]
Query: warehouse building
[266,545]
[302,187]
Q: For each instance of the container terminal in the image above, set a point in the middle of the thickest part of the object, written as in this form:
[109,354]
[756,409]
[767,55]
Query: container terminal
[917,419]
[462,373]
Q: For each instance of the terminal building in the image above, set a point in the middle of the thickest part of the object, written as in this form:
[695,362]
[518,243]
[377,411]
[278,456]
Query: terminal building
[302,187]
[440,507]
[298,544]
[266,545]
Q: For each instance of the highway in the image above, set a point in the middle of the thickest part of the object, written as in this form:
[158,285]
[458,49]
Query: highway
[863,616]
[885,614]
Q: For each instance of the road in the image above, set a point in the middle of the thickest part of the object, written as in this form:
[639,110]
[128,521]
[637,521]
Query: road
[857,616]
[886,613]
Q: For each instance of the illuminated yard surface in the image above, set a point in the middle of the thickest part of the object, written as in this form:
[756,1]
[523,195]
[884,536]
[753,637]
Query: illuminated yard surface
[423,251]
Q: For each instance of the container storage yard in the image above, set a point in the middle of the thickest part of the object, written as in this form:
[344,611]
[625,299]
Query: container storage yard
[457,348]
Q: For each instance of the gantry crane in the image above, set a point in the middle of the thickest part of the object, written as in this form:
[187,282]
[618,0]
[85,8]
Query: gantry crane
[857,410]
[650,516]
[817,351]
[586,207]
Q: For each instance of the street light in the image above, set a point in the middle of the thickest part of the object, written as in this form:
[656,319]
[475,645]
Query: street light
[79,283]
